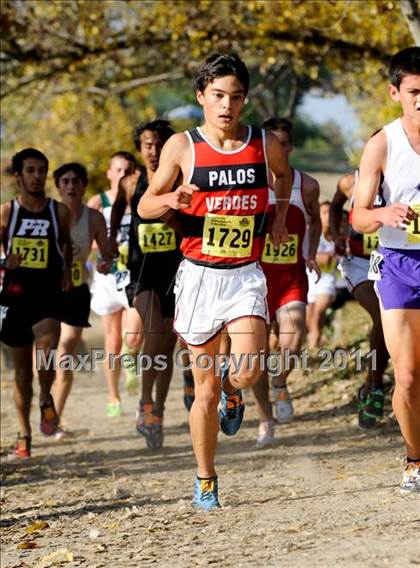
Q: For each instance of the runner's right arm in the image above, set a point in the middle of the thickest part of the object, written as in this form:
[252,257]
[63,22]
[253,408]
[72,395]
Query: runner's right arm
[12,260]
[367,219]
[159,198]
[126,188]
[97,222]
[343,193]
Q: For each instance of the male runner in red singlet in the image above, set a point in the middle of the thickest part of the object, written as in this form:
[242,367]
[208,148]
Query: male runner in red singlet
[222,206]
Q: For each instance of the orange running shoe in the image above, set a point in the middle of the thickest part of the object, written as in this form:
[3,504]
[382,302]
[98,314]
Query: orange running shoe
[49,418]
[22,450]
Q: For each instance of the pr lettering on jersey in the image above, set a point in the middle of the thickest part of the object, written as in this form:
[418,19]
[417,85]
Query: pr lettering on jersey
[238,176]
[231,202]
[36,228]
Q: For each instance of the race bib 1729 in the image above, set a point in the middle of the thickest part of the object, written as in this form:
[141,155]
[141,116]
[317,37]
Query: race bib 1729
[228,235]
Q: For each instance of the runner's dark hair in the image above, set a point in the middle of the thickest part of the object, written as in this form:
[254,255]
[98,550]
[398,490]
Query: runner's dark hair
[221,65]
[160,126]
[74,167]
[283,124]
[405,62]
[20,157]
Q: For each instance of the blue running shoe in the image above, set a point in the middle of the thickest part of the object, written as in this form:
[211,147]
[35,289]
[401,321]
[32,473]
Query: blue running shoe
[231,409]
[205,494]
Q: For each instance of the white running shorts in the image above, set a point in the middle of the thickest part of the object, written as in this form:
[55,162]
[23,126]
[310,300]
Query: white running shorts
[207,299]
[108,295]
[325,286]
[355,270]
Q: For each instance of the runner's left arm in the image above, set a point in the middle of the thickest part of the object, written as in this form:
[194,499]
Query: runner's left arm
[277,162]
[65,244]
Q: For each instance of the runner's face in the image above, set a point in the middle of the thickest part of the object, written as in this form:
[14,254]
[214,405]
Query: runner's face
[151,144]
[71,188]
[284,140]
[408,95]
[118,168]
[222,102]
[33,177]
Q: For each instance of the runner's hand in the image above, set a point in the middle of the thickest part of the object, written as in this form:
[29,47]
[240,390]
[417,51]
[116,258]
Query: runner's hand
[181,198]
[397,215]
[13,261]
[312,265]
[278,233]
[104,266]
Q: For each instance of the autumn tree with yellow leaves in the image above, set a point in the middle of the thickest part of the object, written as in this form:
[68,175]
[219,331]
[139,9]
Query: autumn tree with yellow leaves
[77,74]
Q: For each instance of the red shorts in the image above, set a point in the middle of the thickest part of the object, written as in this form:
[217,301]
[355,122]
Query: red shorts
[285,286]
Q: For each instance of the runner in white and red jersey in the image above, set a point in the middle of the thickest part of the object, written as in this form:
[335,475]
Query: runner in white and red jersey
[221,204]
[287,283]
[354,266]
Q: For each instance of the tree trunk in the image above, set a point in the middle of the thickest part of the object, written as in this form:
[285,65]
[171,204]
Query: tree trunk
[411,13]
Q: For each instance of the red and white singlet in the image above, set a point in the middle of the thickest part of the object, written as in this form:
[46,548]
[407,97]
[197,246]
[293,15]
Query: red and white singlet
[225,225]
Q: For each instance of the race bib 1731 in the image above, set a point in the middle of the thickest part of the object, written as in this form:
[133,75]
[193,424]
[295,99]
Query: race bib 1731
[34,252]
[285,253]
[228,235]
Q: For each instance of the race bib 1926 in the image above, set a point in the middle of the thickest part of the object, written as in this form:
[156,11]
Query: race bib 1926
[285,253]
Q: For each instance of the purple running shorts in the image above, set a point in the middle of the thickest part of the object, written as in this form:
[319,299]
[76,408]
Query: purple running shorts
[399,283]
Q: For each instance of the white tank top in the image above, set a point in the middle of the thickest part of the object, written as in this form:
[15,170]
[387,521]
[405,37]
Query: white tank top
[296,199]
[401,184]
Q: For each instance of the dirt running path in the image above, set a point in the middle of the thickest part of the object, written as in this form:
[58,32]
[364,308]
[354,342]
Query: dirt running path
[326,495]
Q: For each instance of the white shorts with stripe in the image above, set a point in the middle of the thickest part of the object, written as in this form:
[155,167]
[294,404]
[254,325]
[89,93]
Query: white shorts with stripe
[207,299]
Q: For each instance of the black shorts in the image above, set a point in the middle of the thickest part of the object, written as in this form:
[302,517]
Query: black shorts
[163,288]
[19,314]
[74,306]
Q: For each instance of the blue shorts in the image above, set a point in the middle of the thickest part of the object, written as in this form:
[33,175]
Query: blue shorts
[399,284]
